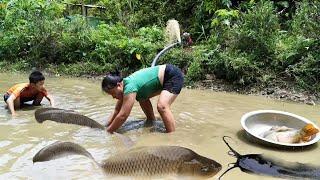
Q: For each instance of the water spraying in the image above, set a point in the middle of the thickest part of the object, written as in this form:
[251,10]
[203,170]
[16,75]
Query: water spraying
[173,38]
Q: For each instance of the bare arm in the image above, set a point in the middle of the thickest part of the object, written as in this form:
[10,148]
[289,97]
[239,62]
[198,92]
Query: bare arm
[50,99]
[115,112]
[10,102]
[121,117]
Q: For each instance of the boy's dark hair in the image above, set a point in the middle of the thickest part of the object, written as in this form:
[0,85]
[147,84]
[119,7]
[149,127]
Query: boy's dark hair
[110,80]
[35,77]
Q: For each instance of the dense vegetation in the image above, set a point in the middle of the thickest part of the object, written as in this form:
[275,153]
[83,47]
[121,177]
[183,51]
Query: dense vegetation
[244,42]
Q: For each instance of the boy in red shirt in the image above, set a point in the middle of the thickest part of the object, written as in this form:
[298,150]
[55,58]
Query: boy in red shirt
[24,92]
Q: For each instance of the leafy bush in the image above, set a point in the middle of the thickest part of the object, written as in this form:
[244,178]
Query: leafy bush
[37,32]
[290,50]
[27,28]
[242,42]
[177,56]
[118,45]
[244,49]
[307,71]
[306,20]
[298,51]
[195,71]
[255,32]
[82,68]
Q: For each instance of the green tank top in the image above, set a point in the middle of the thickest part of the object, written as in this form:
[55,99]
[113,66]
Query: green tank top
[144,82]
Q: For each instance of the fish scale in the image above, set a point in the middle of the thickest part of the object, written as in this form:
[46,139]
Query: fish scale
[151,162]
[141,161]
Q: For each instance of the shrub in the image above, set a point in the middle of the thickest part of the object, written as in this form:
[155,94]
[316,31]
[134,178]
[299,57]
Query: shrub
[306,20]
[290,49]
[255,33]
[307,71]
[244,50]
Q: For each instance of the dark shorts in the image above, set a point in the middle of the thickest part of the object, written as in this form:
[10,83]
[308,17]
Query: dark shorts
[22,100]
[173,79]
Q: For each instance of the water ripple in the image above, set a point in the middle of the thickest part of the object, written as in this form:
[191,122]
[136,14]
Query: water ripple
[4,143]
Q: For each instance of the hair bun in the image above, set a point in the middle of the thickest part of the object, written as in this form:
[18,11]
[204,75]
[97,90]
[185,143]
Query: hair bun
[110,80]
[115,73]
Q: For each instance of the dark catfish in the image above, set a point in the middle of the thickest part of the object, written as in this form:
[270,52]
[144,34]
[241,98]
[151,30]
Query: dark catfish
[262,165]
[141,161]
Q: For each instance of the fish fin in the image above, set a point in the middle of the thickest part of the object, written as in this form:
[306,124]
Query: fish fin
[126,141]
[60,149]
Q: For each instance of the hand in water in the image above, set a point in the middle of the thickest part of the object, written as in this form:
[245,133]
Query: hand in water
[108,123]
[108,131]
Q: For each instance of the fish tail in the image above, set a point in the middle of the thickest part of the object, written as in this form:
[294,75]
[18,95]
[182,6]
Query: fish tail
[60,149]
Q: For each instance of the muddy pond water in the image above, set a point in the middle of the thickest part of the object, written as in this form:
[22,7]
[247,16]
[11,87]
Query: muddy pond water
[202,118]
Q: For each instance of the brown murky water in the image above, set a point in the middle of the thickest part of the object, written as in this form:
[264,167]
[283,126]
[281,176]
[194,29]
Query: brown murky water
[202,117]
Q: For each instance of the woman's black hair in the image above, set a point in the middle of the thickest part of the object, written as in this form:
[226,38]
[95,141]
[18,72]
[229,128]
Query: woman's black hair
[35,77]
[111,80]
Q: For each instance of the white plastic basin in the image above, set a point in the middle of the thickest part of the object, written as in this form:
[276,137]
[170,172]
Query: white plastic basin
[257,122]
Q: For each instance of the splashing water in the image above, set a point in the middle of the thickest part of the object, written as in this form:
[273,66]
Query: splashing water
[172,32]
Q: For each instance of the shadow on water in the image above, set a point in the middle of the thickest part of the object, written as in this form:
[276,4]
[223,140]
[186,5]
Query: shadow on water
[154,126]
[29,107]
[72,117]
[242,136]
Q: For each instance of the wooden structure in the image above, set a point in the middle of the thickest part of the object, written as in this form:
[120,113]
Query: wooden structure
[84,8]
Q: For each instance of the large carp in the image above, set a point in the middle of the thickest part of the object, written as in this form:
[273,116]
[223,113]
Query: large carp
[141,161]
[72,117]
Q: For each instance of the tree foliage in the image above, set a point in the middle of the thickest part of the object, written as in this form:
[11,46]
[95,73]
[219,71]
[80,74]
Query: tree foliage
[244,42]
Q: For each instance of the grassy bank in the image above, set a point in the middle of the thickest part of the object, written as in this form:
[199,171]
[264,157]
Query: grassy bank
[248,44]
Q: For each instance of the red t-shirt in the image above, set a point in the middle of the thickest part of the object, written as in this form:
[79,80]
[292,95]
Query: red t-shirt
[25,90]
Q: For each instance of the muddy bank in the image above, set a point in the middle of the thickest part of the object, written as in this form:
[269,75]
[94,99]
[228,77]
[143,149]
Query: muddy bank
[281,90]
[284,91]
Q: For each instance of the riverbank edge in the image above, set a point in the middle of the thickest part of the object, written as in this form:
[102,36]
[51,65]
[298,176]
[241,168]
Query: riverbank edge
[278,91]
[283,90]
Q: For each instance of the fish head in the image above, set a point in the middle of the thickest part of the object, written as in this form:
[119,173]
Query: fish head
[200,166]
[308,131]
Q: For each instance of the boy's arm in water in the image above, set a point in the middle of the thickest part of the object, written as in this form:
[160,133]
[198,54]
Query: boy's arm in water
[127,104]
[10,102]
[115,112]
[50,99]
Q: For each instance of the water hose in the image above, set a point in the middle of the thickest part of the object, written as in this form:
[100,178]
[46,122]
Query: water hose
[186,41]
